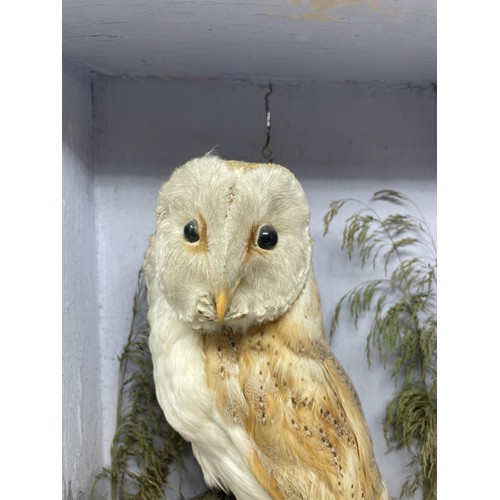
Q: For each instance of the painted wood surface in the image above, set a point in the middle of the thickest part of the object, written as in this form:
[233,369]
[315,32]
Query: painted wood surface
[334,40]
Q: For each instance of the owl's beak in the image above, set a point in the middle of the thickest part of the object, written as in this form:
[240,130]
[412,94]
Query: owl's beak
[222,303]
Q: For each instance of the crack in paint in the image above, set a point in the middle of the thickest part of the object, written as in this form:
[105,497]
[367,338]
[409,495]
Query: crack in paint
[304,17]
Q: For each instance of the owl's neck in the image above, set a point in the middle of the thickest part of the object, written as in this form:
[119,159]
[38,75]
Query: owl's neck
[304,319]
[301,326]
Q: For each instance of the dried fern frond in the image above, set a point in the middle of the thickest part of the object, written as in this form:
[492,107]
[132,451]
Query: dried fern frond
[144,445]
[404,324]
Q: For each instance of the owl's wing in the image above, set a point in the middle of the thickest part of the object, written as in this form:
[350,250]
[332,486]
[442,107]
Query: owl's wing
[314,439]
[301,411]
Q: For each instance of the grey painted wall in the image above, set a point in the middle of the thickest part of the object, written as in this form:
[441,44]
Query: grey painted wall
[341,140]
[81,404]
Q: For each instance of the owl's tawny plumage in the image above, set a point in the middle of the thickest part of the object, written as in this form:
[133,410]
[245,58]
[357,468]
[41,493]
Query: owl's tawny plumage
[242,366]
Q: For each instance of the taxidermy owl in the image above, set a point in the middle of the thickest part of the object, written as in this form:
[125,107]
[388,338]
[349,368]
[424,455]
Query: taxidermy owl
[242,366]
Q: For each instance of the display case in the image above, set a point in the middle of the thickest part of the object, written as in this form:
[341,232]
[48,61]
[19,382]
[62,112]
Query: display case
[343,93]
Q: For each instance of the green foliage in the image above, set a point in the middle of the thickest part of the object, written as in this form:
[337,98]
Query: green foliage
[404,324]
[144,445]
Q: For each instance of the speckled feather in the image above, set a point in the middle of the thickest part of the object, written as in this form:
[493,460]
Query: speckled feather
[269,410]
[284,386]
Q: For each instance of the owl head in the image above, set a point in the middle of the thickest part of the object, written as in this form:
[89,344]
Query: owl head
[232,244]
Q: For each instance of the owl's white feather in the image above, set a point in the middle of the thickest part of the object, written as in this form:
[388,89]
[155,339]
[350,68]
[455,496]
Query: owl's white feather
[241,363]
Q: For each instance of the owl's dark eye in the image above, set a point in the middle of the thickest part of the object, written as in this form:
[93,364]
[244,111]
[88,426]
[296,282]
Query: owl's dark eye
[191,231]
[268,237]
